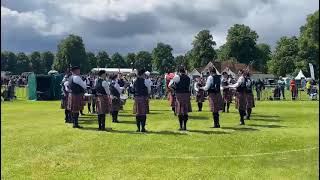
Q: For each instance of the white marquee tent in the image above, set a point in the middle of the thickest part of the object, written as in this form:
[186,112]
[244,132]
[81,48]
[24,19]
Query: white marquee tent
[300,75]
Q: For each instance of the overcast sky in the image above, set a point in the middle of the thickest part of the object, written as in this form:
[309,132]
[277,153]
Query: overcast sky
[133,25]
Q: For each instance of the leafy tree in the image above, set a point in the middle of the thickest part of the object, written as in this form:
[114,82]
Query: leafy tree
[189,58]
[8,61]
[71,51]
[103,59]
[131,60]
[263,56]
[143,61]
[23,63]
[223,53]
[203,51]
[47,59]
[36,63]
[181,60]
[309,41]
[118,61]
[285,56]
[241,43]
[92,60]
[163,59]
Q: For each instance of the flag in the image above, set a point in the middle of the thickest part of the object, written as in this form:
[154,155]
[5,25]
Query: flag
[311,71]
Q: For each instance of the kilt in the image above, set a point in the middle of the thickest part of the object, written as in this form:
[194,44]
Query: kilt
[200,96]
[75,102]
[227,96]
[183,104]
[172,99]
[215,102]
[64,102]
[241,101]
[250,100]
[115,104]
[140,105]
[103,104]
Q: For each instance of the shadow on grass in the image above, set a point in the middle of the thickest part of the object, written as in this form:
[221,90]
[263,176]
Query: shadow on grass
[267,116]
[126,115]
[198,118]
[264,119]
[240,128]
[133,132]
[127,122]
[267,126]
[83,121]
[208,132]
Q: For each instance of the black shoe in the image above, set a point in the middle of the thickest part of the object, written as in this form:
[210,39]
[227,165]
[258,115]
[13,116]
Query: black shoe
[242,123]
[144,130]
[248,118]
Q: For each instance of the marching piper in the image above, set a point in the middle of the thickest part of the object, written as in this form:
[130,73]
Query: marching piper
[75,98]
[241,100]
[200,96]
[181,84]
[115,91]
[64,97]
[215,98]
[102,98]
[227,93]
[249,95]
[141,90]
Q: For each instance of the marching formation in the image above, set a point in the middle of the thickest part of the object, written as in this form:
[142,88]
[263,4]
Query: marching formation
[105,94]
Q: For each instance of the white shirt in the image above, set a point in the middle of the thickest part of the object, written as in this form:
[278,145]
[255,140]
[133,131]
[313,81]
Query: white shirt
[66,86]
[208,83]
[175,79]
[77,79]
[238,83]
[117,86]
[148,85]
[149,81]
[105,85]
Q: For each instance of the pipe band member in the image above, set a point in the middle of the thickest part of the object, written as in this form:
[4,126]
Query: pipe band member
[102,98]
[148,80]
[64,97]
[241,100]
[75,99]
[115,91]
[227,93]
[250,97]
[200,96]
[181,84]
[141,89]
[215,98]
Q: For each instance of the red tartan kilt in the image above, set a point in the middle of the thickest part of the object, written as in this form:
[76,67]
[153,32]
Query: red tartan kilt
[140,105]
[200,96]
[75,103]
[215,102]
[183,104]
[241,101]
[227,96]
[103,104]
[250,100]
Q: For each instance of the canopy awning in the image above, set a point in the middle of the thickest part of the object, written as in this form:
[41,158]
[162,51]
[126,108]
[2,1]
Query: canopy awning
[300,75]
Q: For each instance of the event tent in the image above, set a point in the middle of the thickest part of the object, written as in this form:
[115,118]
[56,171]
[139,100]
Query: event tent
[115,70]
[300,75]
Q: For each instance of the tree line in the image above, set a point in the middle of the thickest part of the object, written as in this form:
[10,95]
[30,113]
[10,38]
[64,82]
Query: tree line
[290,54]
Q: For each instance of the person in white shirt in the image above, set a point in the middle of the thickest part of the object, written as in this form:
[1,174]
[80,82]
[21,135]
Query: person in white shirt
[75,100]
[241,100]
[115,91]
[149,82]
[64,98]
[181,84]
[200,96]
[141,90]
[103,93]
[215,99]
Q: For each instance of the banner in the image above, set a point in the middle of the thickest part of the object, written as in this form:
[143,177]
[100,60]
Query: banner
[311,70]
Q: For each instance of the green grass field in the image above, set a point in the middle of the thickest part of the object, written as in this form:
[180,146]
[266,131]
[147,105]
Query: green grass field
[281,141]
